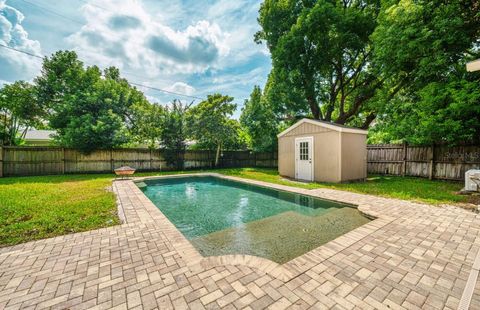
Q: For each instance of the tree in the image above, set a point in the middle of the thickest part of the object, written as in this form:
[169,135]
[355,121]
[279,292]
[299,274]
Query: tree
[424,45]
[444,113]
[19,111]
[210,124]
[349,61]
[259,122]
[89,110]
[174,132]
[147,124]
[419,42]
[321,52]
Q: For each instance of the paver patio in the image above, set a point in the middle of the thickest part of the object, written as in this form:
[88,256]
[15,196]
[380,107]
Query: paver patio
[411,256]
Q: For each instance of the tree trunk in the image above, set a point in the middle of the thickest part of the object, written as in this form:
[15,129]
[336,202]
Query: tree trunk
[217,156]
[314,108]
[368,120]
[312,102]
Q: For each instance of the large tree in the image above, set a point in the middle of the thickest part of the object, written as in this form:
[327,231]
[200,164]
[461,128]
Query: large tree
[321,53]
[424,45]
[259,122]
[210,124]
[19,111]
[88,108]
[349,61]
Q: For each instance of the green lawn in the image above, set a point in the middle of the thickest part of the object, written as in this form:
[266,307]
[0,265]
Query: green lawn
[408,188]
[40,207]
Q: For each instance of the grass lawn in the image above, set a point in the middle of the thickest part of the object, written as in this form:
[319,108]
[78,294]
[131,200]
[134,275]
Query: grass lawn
[408,188]
[41,207]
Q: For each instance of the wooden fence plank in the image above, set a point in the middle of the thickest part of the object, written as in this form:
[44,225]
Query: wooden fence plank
[1,161]
[434,162]
[19,161]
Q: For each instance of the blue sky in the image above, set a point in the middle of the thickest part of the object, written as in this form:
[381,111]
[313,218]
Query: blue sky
[191,47]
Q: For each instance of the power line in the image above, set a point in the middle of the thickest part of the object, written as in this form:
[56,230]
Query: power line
[54,12]
[81,23]
[96,5]
[20,51]
[165,91]
[132,83]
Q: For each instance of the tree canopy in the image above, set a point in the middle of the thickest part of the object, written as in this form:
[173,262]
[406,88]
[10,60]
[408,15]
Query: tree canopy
[259,122]
[321,53]
[174,132]
[400,63]
[423,46]
[210,123]
[88,108]
[19,111]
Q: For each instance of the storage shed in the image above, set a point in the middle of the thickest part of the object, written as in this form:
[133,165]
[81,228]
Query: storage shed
[313,150]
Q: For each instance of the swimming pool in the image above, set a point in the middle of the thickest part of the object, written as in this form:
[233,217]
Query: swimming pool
[220,216]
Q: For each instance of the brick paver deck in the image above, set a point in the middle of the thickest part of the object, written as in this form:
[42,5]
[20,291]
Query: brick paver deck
[412,256]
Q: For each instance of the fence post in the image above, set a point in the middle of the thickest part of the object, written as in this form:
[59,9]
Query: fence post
[431,165]
[151,160]
[1,162]
[63,160]
[112,166]
[404,167]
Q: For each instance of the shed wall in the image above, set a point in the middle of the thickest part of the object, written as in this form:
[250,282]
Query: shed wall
[354,157]
[327,145]
[286,156]
[327,163]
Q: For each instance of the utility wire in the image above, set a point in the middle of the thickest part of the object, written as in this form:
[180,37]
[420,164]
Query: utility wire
[81,23]
[132,83]
[20,51]
[96,5]
[165,91]
[54,12]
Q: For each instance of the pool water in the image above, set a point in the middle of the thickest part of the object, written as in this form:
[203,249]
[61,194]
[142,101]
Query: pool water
[221,217]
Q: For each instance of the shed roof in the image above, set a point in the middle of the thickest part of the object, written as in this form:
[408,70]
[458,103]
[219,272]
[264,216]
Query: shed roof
[324,124]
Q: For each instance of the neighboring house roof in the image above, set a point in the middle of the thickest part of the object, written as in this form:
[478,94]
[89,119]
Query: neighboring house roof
[45,135]
[332,126]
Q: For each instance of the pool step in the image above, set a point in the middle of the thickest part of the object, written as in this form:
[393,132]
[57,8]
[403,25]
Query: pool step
[281,237]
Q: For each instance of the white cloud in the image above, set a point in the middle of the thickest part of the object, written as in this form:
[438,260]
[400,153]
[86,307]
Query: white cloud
[3,82]
[182,88]
[238,19]
[132,38]
[13,64]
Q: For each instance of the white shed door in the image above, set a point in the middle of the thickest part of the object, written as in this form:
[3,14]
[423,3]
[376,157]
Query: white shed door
[304,158]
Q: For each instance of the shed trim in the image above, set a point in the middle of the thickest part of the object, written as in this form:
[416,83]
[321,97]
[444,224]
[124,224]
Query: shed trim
[324,125]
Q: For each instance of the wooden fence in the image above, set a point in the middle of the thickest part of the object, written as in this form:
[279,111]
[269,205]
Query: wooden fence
[434,162]
[22,161]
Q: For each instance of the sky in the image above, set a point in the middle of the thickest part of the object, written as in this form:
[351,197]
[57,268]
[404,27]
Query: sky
[192,47]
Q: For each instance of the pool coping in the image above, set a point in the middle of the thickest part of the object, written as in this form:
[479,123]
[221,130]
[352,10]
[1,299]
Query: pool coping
[130,212]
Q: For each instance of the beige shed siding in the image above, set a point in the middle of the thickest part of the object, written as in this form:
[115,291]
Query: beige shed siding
[286,156]
[354,156]
[305,129]
[326,145]
[327,161]
[339,155]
